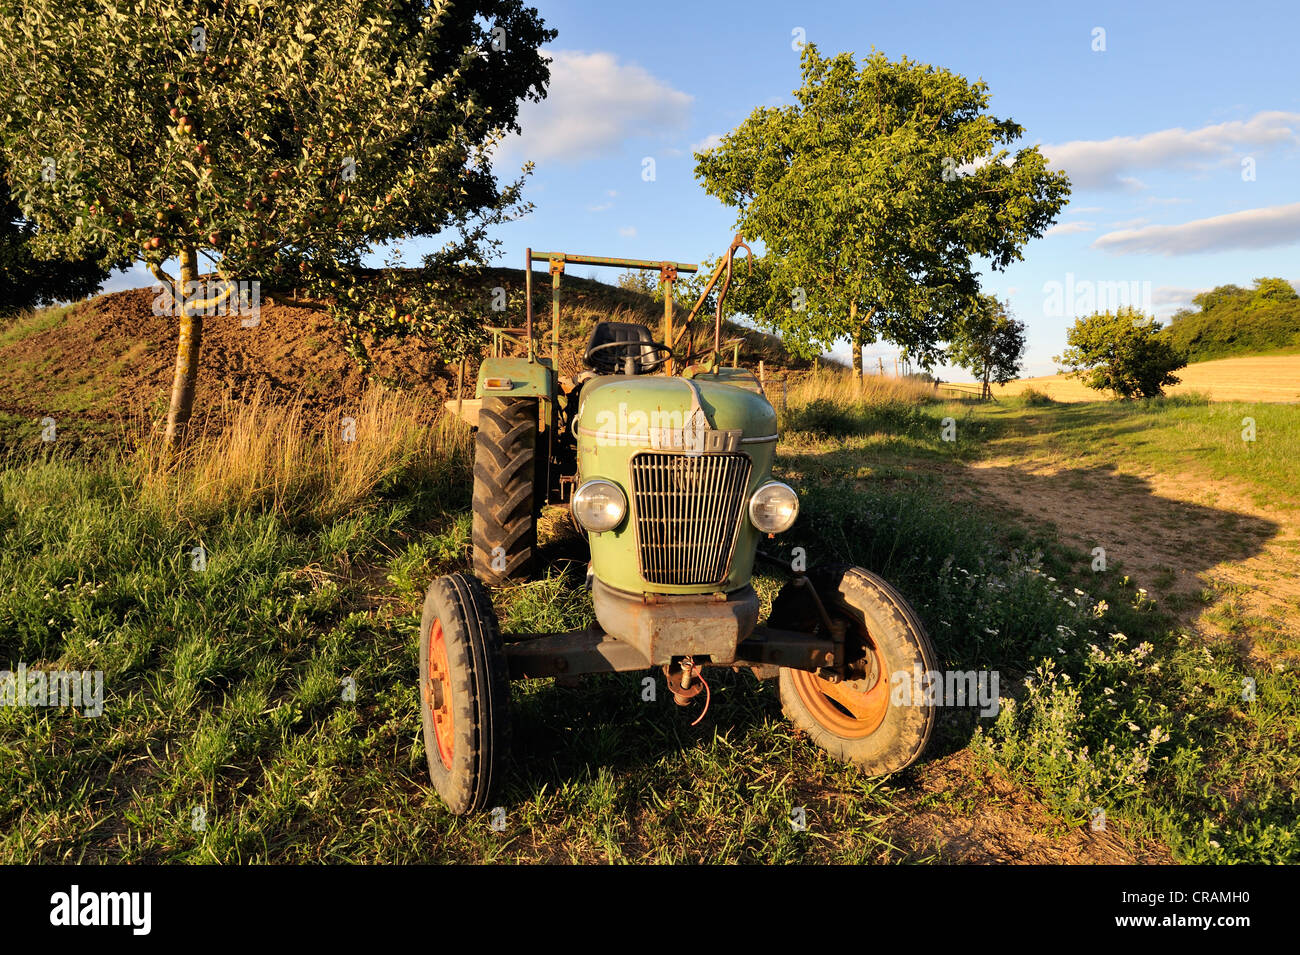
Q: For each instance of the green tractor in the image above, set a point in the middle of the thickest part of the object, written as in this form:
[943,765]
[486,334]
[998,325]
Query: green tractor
[666,467]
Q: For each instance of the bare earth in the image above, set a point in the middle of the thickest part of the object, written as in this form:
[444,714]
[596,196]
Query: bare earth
[1197,541]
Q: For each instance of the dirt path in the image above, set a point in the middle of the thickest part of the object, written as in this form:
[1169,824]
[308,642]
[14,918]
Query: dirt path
[1228,568]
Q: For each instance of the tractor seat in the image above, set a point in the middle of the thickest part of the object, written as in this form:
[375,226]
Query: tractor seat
[611,361]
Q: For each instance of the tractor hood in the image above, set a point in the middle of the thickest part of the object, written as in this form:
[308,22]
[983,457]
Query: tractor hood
[688,453]
[687,414]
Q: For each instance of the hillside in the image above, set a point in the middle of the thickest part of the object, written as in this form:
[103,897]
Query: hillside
[109,358]
[1272,378]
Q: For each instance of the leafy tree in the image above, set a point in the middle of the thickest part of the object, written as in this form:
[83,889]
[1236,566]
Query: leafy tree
[988,343]
[1220,295]
[639,280]
[275,141]
[1122,352]
[871,194]
[1231,320]
[1273,290]
[29,282]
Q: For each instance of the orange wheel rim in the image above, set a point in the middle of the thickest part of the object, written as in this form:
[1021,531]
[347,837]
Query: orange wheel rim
[439,702]
[847,709]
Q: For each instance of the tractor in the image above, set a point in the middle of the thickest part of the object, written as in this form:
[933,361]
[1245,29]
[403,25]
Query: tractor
[664,459]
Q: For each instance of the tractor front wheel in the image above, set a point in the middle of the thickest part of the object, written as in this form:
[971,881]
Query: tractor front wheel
[464,692]
[860,721]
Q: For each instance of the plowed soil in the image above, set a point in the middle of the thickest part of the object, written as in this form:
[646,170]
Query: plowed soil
[111,357]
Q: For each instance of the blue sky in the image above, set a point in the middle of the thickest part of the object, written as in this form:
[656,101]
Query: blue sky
[1153,129]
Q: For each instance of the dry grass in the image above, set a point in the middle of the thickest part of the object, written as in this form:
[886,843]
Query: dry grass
[1272,378]
[261,453]
[840,388]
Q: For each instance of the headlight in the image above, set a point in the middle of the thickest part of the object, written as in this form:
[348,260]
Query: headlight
[599,505]
[773,508]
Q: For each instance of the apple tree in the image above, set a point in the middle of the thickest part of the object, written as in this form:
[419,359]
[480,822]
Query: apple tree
[277,141]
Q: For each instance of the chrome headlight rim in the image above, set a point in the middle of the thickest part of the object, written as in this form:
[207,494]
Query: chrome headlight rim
[755,498]
[608,524]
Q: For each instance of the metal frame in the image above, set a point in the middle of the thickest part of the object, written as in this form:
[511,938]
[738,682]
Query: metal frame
[558,260]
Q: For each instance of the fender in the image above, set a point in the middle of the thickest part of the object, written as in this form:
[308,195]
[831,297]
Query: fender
[516,378]
[510,377]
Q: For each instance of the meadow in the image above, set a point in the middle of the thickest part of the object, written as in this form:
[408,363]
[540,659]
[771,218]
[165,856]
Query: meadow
[254,606]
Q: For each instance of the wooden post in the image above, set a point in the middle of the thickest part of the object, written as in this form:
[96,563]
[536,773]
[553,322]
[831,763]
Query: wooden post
[762,378]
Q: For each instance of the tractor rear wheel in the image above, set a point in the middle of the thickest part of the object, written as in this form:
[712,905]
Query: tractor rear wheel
[464,692]
[506,496]
[859,720]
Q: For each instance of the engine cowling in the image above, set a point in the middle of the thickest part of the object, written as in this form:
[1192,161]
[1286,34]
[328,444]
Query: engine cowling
[687,453]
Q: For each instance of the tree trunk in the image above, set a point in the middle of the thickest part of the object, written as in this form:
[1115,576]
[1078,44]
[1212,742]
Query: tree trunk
[855,336]
[187,353]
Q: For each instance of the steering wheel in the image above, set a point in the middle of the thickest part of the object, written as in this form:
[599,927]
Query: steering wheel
[661,354]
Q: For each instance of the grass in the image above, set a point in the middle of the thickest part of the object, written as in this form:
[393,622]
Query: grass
[228,687]
[19,325]
[1178,434]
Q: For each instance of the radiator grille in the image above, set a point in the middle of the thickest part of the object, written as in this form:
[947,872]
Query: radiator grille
[688,509]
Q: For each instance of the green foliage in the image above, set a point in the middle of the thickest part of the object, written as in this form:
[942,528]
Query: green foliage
[875,190]
[988,343]
[639,280]
[1236,321]
[1033,398]
[1123,352]
[439,303]
[28,282]
[280,139]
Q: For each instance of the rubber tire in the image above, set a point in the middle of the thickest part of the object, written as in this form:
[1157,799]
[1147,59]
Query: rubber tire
[480,692]
[892,624]
[506,469]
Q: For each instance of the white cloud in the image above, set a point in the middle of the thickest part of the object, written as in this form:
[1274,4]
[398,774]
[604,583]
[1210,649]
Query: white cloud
[593,105]
[1070,228]
[711,141]
[1108,163]
[136,276]
[627,231]
[1249,229]
[1130,223]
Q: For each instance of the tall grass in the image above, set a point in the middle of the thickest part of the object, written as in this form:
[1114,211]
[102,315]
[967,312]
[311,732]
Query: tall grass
[841,388]
[259,454]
